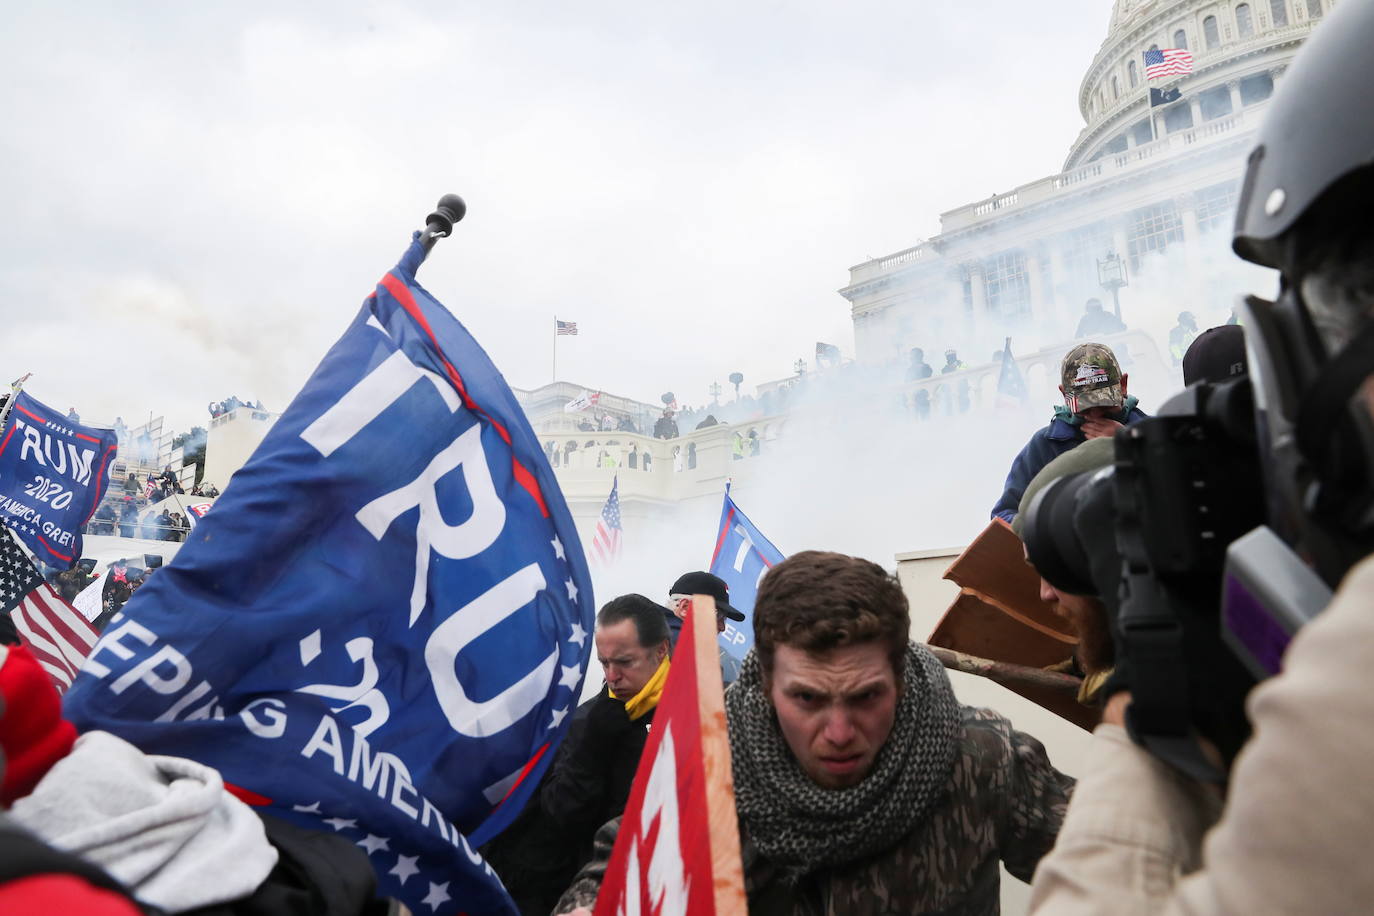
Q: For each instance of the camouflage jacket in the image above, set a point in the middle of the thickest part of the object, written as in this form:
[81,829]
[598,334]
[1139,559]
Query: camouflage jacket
[1004,802]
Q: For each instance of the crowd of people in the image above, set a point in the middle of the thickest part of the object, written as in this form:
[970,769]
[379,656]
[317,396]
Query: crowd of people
[220,408]
[130,513]
[862,785]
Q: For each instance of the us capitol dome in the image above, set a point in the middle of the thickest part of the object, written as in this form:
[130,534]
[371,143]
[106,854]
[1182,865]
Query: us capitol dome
[1141,212]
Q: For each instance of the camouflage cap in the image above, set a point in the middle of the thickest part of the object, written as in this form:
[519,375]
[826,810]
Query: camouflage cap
[1091,377]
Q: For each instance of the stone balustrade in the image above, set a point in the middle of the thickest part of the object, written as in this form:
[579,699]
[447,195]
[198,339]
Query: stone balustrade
[1104,169]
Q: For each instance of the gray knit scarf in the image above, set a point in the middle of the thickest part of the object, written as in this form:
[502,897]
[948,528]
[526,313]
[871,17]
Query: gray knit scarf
[800,826]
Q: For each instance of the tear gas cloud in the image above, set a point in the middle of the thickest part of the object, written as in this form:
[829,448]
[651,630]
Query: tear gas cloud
[854,470]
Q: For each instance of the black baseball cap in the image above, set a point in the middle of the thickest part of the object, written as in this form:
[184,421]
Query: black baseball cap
[1216,355]
[703,583]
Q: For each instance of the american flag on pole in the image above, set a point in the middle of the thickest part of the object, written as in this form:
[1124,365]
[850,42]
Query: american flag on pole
[565,328]
[606,540]
[149,487]
[1169,62]
[57,635]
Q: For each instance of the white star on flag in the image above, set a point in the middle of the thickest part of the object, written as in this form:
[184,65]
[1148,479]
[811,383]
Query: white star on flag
[572,591]
[558,548]
[404,868]
[339,823]
[558,715]
[373,843]
[571,675]
[579,635]
[438,893]
[307,809]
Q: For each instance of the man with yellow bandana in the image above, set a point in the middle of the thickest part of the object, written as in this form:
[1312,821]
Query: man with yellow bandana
[589,780]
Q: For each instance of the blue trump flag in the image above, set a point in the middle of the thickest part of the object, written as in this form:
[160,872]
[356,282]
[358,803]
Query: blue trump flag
[383,627]
[53,473]
[741,557]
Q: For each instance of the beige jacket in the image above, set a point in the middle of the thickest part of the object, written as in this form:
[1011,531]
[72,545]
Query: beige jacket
[1297,832]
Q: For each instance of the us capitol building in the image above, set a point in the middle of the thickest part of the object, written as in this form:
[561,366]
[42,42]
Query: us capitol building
[1153,188]
[1146,199]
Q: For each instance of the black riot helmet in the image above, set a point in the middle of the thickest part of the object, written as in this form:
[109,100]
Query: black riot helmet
[1318,129]
[1305,210]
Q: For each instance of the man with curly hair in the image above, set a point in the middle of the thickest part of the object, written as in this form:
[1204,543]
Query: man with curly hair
[861,784]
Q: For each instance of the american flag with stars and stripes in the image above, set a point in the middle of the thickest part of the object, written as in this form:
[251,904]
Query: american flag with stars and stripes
[606,540]
[1169,62]
[57,635]
[562,328]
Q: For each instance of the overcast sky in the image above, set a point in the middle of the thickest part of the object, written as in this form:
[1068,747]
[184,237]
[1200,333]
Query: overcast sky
[198,196]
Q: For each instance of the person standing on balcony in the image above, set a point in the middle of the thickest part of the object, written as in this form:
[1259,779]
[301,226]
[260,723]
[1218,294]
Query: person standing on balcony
[1095,405]
[666,426]
[1181,336]
[953,364]
[920,369]
[1097,321]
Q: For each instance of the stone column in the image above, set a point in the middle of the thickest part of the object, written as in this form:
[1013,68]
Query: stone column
[1233,87]
[980,297]
[1195,104]
[1059,276]
[1119,244]
[1039,301]
[1192,232]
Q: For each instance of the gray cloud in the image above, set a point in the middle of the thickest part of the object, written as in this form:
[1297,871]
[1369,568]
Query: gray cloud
[200,198]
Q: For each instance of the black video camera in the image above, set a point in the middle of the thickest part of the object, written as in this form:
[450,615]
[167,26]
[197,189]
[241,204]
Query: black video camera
[1170,538]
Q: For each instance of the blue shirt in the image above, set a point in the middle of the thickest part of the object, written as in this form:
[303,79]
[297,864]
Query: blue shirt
[1044,446]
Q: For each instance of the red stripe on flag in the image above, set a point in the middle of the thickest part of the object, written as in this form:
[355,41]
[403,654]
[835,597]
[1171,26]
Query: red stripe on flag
[401,292]
[29,413]
[57,635]
[724,530]
[8,435]
[55,551]
[523,773]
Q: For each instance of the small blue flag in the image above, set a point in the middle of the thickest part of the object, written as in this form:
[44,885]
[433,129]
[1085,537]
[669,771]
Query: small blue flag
[53,474]
[741,557]
[383,627]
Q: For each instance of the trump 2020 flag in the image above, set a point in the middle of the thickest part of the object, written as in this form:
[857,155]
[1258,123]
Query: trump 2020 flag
[381,628]
[677,850]
[53,474]
[741,557]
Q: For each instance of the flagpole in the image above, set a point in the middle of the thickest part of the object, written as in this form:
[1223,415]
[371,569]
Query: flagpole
[15,387]
[439,224]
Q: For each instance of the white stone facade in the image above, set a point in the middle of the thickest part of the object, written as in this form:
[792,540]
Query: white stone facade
[1156,186]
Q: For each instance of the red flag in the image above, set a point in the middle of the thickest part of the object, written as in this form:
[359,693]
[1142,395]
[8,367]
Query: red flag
[677,853]
[58,636]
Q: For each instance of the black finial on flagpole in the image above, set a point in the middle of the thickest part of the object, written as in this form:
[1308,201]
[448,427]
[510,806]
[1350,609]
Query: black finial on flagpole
[439,224]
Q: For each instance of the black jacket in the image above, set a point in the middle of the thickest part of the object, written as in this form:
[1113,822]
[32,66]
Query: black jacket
[587,785]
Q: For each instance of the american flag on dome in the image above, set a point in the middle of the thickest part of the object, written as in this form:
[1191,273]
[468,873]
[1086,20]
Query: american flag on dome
[1169,62]
[565,328]
[606,540]
[57,635]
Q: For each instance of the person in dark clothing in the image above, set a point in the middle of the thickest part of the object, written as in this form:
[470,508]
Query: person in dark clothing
[103,522]
[1095,404]
[708,422]
[666,427]
[164,530]
[589,781]
[128,520]
[680,601]
[131,483]
[1097,321]
[919,368]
